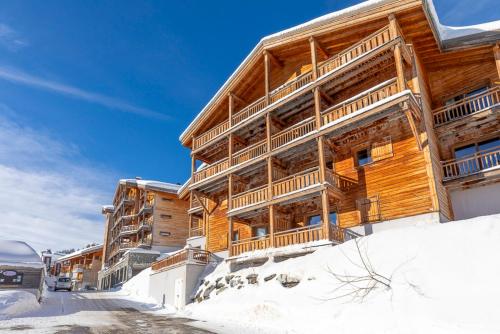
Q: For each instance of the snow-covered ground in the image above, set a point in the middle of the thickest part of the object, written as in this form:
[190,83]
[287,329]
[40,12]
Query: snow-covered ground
[13,302]
[440,279]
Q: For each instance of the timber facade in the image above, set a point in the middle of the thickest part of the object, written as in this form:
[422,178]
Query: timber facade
[81,266]
[147,218]
[343,123]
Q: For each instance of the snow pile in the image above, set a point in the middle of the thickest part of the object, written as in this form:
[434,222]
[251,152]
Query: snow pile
[138,286]
[15,302]
[441,278]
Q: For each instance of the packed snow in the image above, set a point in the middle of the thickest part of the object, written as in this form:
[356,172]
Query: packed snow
[14,302]
[19,253]
[441,278]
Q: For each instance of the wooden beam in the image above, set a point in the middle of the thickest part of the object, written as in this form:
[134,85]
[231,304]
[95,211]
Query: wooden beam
[398,59]
[273,59]
[324,52]
[238,99]
[317,107]
[231,108]
[413,127]
[326,97]
[267,76]
[496,52]
[314,58]
[271,225]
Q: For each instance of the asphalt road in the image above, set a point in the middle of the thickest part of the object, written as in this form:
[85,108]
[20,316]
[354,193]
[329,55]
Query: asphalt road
[95,312]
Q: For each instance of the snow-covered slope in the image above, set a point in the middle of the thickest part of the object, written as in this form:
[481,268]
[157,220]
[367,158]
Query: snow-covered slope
[15,302]
[441,279]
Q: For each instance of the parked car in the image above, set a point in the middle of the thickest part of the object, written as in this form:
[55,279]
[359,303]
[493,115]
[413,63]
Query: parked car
[63,283]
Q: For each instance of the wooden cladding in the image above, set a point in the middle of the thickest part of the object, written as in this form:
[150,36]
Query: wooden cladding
[369,209]
[357,50]
[467,106]
[360,101]
[483,160]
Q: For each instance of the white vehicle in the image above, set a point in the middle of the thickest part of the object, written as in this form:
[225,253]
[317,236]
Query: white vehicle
[62,283]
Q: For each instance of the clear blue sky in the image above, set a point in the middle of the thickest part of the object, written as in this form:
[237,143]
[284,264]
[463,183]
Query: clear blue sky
[92,91]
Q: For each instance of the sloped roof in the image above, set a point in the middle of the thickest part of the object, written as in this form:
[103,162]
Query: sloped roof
[80,252]
[152,185]
[447,37]
[13,252]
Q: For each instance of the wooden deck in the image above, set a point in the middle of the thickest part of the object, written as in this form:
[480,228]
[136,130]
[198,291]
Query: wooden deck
[356,51]
[467,106]
[482,161]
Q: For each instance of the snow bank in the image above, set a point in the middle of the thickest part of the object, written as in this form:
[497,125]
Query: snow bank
[443,279]
[138,286]
[16,302]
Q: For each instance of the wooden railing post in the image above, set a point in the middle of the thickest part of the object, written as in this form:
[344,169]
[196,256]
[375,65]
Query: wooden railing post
[394,33]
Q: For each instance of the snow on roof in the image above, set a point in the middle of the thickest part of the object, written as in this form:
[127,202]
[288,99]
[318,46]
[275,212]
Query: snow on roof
[444,33]
[152,185]
[81,252]
[13,252]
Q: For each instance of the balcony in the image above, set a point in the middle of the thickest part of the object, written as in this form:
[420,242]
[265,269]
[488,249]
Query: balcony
[300,235]
[296,185]
[481,162]
[355,52]
[467,106]
[128,245]
[304,129]
[184,256]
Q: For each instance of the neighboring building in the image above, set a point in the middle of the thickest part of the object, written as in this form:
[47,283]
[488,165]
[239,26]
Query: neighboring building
[372,114]
[82,266]
[147,218]
[21,268]
[50,260]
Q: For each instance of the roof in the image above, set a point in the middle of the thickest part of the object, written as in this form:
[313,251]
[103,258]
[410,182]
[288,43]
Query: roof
[18,253]
[81,252]
[447,37]
[152,185]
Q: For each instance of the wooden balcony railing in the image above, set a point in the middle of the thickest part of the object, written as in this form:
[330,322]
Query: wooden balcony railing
[131,244]
[211,170]
[468,106]
[249,110]
[296,131]
[299,235]
[457,168]
[250,197]
[296,182]
[210,135]
[290,86]
[129,228]
[287,185]
[360,101]
[376,39]
[357,50]
[189,255]
[249,153]
[250,244]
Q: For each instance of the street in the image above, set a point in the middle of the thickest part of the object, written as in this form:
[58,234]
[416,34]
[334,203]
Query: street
[94,312]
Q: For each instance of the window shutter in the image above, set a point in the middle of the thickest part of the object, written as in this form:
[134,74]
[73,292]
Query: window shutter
[369,209]
[382,149]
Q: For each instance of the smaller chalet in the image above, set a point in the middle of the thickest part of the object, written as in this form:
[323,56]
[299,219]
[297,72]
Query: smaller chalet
[20,267]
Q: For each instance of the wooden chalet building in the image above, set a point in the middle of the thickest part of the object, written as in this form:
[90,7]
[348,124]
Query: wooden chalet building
[372,114]
[147,218]
[81,266]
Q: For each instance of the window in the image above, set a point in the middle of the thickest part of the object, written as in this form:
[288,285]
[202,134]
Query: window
[260,231]
[236,235]
[364,157]
[166,216]
[316,219]
[166,199]
[485,156]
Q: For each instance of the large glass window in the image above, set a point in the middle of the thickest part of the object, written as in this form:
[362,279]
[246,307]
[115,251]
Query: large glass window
[364,157]
[260,231]
[316,219]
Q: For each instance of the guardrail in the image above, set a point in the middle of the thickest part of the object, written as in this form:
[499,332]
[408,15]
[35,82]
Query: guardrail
[189,255]
[457,168]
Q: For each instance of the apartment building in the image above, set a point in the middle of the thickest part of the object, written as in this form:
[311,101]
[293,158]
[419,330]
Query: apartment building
[363,119]
[146,219]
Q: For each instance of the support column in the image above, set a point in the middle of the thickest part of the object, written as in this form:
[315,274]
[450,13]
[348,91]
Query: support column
[394,33]
[193,167]
[267,75]
[314,57]
[496,52]
[229,207]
